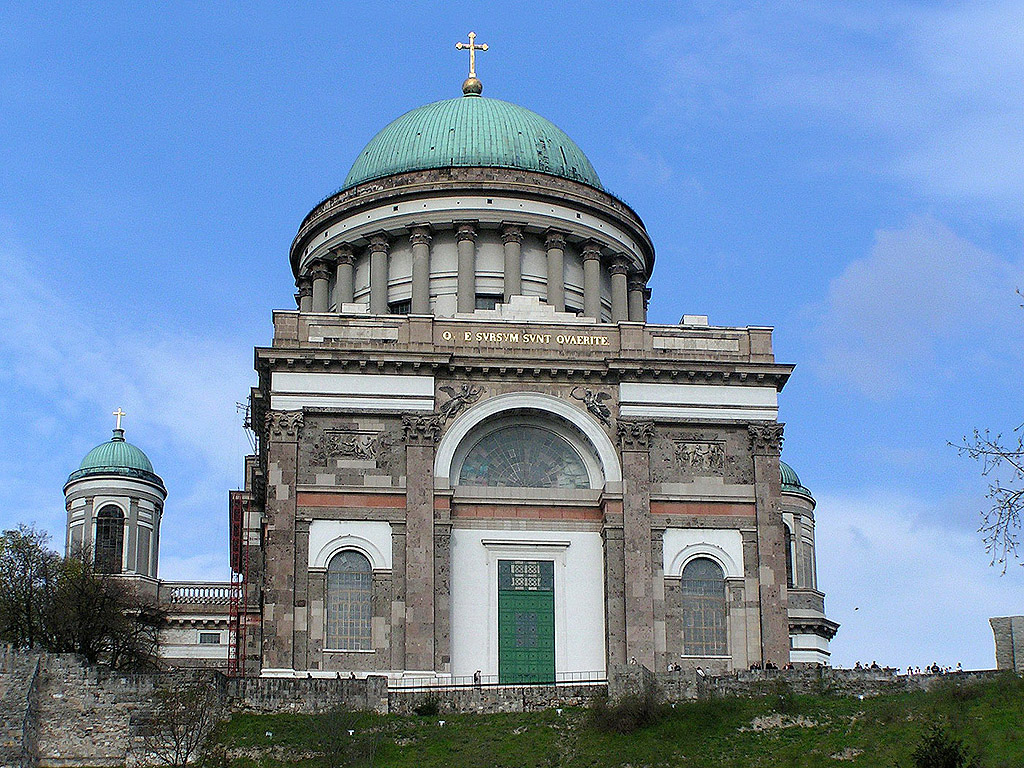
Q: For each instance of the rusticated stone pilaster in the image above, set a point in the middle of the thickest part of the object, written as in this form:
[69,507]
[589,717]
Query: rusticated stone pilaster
[281,432]
[765,444]
[421,435]
[635,440]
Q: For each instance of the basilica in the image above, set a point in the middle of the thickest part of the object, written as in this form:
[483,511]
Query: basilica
[475,456]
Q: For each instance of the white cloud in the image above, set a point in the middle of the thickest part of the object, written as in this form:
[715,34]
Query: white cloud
[906,588]
[923,301]
[934,95]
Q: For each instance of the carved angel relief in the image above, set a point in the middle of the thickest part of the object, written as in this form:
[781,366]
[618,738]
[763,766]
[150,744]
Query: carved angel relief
[594,403]
[467,394]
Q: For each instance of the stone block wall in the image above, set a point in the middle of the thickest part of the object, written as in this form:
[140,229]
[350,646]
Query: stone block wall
[1009,637]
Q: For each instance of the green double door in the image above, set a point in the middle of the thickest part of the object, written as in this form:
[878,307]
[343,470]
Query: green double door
[526,621]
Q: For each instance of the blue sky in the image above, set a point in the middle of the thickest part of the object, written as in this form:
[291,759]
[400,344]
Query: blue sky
[852,176]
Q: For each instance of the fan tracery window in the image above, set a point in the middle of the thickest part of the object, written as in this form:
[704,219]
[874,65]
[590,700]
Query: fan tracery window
[524,456]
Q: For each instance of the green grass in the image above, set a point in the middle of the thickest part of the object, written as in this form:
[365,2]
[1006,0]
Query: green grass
[790,730]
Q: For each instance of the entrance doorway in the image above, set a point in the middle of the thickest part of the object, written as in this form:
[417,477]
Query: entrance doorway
[526,621]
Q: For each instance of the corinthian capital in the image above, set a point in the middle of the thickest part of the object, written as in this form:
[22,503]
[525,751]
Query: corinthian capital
[619,266]
[379,243]
[511,233]
[591,250]
[420,236]
[421,430]
[283,424]
[554,239]
[343,254]
[465,231]
[635,435]
[766,439]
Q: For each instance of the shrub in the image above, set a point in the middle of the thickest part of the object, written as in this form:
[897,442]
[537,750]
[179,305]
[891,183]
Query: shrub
[940,749]
[628,714]
[427,706]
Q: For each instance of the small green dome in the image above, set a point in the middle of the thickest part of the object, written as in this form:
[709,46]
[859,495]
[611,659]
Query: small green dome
[471,131]
[791,481]
[117,457]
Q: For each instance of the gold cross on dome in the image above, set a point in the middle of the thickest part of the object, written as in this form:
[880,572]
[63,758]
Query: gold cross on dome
[119,413]
[472,47]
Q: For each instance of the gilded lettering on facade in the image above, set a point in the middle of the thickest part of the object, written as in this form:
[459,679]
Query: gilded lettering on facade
[527,338]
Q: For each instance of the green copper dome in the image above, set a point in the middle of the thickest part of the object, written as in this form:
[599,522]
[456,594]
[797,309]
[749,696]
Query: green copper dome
[471,131]
[117,457]
[791,481]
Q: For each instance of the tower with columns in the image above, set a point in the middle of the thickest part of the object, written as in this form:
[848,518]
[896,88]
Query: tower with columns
[476,455]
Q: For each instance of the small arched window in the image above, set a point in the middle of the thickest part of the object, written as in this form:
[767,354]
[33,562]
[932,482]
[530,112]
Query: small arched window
[349,601]
[524,456]
[703,588]
[109,540]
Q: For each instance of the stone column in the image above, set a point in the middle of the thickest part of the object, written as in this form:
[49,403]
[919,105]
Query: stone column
[635,442]
[281,433]
[379,247]
[420,239]
[637,310]
[421,435]
[620,301]
[592,280]
[765,446]
[465,236]
[555,245]
[344,275]
[512,237]
[305,293]
[321,277]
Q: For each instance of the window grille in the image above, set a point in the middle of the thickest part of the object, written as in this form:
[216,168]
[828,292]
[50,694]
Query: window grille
[703,587]
[349,602]
[109,540]
[209,638]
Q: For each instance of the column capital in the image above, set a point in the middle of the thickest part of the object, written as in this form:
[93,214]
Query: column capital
[619,265]
[343,254]
[465,230]
[304,283]
[635,435]
[319,270]
[554,238]
[511,233]
[421,430]
[635,281]
[420,235]
[591,250]
[379,243]
[283,424]
[766,439]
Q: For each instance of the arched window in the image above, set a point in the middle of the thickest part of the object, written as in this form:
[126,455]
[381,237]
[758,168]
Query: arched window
[524,456]
[349,601]
[703,587]
[109,540]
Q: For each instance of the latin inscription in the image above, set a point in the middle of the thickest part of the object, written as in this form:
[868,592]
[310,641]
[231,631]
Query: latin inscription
[526,338]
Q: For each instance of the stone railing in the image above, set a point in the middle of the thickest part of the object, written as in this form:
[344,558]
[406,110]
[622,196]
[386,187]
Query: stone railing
[195,593]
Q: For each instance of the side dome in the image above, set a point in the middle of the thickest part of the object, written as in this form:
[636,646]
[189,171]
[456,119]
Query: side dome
[791,481]
[471,131]
[117,457]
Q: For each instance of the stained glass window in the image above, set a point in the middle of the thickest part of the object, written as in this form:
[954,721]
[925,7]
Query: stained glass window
[109,540]
[524,456]
[349,602]
[703,586]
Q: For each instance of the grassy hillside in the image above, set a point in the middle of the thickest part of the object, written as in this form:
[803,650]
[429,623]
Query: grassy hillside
[776,731]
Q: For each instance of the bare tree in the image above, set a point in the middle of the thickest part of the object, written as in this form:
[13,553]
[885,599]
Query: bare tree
[1002,462]
[179,731]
